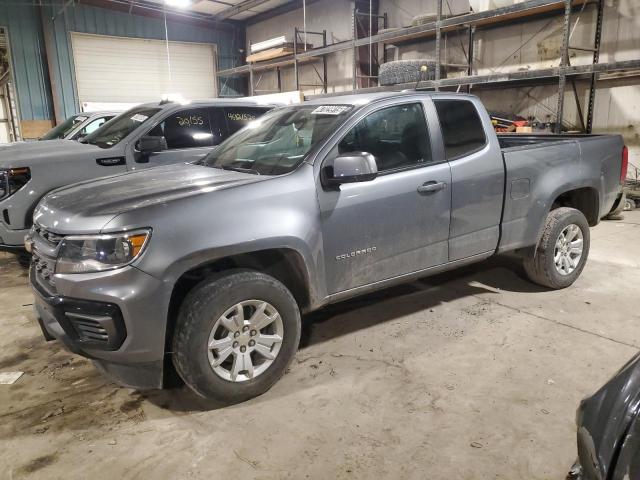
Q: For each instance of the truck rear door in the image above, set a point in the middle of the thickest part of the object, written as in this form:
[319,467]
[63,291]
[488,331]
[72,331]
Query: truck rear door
[477,176]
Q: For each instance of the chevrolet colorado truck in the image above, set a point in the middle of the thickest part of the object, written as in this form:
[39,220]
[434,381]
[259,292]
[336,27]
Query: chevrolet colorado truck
[204,269]
[148,135]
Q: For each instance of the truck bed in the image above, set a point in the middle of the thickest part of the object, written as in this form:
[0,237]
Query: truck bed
[510,140]
[539,168]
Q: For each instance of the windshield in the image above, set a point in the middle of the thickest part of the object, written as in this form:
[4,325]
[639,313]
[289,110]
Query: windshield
[62,130]
[117,129]
[278,142]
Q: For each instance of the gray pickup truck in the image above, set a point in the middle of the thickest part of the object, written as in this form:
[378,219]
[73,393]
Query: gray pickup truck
[206,267]
[78,126]
[149,135]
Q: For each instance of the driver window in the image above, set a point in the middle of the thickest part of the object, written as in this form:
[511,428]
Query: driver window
[185,129]
[396,136]
[93,126]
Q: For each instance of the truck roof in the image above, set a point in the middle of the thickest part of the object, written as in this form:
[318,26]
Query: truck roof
[230,102]
[362,98]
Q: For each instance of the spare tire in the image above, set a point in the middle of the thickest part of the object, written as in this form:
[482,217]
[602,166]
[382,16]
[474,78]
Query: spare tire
[406,71]
[424,19]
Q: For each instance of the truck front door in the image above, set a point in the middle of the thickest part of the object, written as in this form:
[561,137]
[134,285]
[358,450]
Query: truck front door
[397,223]
[188,134]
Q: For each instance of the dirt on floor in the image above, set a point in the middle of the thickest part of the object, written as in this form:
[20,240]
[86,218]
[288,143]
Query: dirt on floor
[474,374]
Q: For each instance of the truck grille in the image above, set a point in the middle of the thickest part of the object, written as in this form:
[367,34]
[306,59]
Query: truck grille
[53,239]
[44,255]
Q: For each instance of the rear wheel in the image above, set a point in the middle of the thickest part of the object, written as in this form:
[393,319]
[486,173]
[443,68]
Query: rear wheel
[629,204]
[235,336]
[618,208]
[560,256]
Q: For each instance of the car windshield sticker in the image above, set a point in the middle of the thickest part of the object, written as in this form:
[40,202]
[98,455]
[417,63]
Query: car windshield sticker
[138,117]
[81,119]
[330,110]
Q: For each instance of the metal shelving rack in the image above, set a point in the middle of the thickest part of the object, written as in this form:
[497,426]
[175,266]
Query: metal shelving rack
[253,69]
[469,23]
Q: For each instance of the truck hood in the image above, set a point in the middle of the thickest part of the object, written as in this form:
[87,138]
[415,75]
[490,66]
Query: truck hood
[30,154]
[89,206]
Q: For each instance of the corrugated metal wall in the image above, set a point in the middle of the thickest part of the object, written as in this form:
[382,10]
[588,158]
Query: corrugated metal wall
[28,25]
[28,58]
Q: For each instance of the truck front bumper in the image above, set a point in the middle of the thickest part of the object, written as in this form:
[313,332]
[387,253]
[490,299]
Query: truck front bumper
[116,318]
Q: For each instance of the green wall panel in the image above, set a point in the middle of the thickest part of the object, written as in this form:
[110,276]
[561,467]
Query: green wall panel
[28,25]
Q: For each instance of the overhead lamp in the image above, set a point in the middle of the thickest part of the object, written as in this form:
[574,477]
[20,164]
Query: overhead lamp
[178,3]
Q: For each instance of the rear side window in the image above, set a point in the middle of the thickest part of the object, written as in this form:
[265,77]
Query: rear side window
[461,127]
[186,129]
[239,117]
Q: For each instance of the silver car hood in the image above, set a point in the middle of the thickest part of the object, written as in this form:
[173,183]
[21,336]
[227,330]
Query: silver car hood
[89,206]
[30,154]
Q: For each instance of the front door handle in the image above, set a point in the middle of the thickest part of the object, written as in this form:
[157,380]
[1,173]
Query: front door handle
[430,187]
[111,161]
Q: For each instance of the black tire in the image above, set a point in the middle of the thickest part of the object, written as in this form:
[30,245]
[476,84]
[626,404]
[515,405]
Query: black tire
[201,309]
[617,209]
[24,259]
[406,71]
[630,204]
[424,19]
[539,261]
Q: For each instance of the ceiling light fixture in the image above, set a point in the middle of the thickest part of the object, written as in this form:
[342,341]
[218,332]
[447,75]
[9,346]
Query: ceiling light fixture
[178,3]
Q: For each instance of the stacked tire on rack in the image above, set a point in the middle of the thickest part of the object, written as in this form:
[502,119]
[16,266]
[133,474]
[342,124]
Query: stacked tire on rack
[407,71]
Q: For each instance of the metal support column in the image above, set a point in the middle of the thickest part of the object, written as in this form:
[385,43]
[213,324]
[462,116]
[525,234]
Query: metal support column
[54,80]
[385,25]
[279,79]
[438,39]
[325,80]
[296,73]
[472,31]
[251,81]
[564,61]
[596,59]
[354,49]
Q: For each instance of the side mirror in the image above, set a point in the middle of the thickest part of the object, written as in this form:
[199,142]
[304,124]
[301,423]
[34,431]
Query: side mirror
[150,144]
[352,167]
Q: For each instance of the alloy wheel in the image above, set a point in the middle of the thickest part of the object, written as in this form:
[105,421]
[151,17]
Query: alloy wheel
[245,340]
[568,249]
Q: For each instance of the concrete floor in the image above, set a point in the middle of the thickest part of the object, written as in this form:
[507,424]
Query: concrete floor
[474,374]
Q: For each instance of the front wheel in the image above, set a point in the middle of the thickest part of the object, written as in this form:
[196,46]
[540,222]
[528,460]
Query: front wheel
[236,334]
[562,252]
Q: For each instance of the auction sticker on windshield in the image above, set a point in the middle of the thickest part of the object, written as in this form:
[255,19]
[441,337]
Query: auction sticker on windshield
[139,118]
[330,110]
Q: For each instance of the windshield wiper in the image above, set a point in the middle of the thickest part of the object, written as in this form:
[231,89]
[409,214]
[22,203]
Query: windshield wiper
[240,169]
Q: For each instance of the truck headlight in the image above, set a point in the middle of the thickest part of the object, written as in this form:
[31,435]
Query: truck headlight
[96,253]
[12,180]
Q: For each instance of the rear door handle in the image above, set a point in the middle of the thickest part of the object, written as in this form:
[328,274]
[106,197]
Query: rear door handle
[430,187]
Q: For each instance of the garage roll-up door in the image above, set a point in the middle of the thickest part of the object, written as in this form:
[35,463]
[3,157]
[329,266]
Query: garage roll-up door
[133,70]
